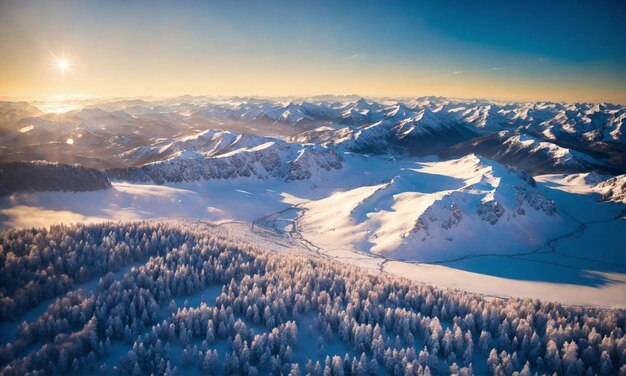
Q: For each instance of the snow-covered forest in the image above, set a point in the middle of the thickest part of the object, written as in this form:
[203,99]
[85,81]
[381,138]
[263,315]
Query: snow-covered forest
[154,298]
[44,176]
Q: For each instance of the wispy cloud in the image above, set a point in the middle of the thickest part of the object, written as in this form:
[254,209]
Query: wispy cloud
[352,57]
[477,70]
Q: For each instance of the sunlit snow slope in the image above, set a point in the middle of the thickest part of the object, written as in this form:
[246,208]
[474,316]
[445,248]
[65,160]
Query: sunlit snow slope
[438,211]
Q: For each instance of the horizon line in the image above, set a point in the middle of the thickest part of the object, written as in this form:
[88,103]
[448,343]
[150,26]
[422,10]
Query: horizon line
[85,97]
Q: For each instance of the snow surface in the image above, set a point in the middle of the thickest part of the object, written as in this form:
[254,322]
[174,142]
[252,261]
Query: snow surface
[434,211]
[560,156]
[566,246]
[613,189]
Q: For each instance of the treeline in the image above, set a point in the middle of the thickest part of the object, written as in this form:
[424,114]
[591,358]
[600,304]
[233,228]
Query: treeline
[380,318]
[45,176]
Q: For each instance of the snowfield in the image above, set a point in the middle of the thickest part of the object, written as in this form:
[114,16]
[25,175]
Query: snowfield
[466,223]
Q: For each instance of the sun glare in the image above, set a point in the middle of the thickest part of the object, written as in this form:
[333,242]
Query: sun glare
[62,64]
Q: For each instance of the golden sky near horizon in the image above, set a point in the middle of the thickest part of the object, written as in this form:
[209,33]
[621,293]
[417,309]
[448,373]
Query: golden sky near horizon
[139,49]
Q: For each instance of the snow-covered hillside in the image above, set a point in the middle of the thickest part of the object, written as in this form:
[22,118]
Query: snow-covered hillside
[613,189]
[437,211]
[530,153]
[223,155]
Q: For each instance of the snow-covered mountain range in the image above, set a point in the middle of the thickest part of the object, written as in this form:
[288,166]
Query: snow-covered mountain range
[554,137]
[437,189]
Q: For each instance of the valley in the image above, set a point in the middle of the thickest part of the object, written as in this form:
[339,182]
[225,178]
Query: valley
[483,204]
[365,221]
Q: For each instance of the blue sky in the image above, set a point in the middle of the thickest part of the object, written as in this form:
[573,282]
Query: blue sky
[530,50]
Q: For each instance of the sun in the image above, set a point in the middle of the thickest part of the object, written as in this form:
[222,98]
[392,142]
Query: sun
[62,64]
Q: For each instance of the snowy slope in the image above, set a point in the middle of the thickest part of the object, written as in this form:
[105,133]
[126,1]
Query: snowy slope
[209,142]
[223,155]
[437,211]
[613,189]
[560,155]
[531,153]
